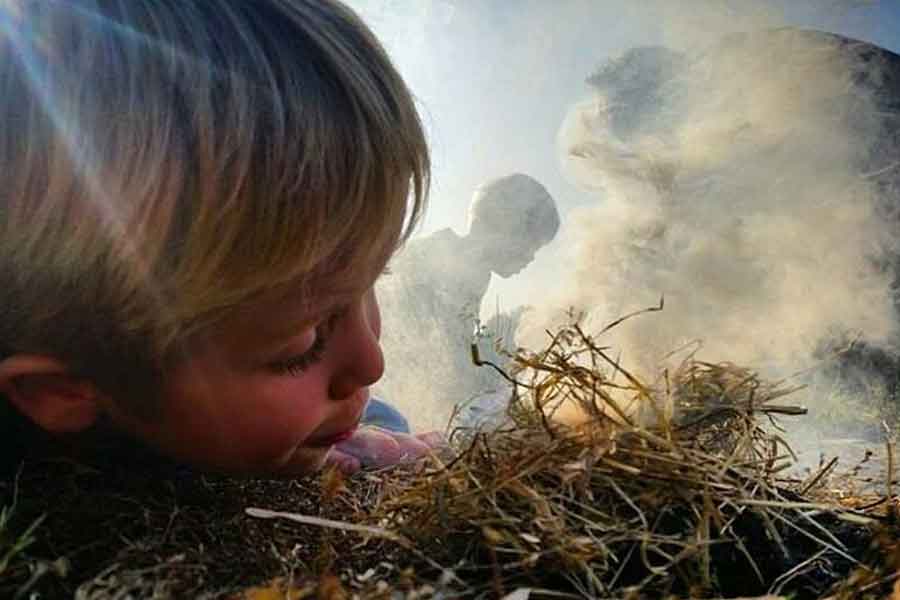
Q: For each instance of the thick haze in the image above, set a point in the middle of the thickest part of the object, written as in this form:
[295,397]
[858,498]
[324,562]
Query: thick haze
[741,205]
[736,193]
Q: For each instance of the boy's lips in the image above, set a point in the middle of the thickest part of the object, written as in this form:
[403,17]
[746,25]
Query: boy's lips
[331,440]
[358,406]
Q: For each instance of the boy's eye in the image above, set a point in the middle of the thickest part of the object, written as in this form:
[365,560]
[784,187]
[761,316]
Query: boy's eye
[297,365]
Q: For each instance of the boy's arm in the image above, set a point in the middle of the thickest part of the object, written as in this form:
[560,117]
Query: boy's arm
[381,414]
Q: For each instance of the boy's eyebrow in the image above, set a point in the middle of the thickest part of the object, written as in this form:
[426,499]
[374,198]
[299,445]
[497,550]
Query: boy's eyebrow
[297,309]
[300,316]
[267,337]
[283,326]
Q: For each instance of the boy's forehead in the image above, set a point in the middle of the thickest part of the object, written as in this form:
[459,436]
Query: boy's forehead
[286,309]
[270,315]
[282,312]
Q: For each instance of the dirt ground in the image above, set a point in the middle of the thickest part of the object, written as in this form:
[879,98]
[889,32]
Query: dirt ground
[145,528]
[129,525]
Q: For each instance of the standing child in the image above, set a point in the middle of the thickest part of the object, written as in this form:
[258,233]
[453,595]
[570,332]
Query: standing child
[198,196]
[434,294]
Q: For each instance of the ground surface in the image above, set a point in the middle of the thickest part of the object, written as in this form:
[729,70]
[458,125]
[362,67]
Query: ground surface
[134,526]
[153,530]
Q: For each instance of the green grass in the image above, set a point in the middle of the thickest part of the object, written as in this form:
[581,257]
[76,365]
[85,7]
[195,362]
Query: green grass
[12,543]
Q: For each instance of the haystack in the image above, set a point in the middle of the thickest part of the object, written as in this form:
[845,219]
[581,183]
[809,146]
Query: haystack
[677,488]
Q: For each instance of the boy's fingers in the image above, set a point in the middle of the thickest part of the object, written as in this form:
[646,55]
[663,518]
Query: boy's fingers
[434,439]
[411,445]
[343,461]
[374,447]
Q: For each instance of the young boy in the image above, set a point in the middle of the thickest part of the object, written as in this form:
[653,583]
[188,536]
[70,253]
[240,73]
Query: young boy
[437,285]
[198,196]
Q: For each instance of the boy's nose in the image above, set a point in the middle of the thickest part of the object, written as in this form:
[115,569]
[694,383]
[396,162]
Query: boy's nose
[360,362]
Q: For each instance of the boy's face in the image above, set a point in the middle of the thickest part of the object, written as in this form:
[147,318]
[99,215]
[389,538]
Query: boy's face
[511,253]
[272,388]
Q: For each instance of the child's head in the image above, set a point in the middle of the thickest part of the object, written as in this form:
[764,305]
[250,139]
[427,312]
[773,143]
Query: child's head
[198,196]
[512,218]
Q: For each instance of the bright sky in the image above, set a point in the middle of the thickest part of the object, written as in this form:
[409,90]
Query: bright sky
[494,78]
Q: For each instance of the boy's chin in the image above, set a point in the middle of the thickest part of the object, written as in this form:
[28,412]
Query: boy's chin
[304,461]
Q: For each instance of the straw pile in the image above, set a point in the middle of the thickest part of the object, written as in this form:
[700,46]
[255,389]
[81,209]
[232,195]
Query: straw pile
[671,488]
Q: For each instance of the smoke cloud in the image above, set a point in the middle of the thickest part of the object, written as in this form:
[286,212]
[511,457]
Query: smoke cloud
[734,169]
[733,187]
[753,185]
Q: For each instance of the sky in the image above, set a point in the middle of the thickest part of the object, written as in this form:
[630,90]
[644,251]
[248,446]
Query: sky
[494,79]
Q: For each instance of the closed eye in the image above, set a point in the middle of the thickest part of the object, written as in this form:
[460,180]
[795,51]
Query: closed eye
[298,365]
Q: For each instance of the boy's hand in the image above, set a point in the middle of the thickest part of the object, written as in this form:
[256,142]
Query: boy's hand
[374,447]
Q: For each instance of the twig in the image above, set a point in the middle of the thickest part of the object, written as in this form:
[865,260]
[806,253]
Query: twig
[785,577]
[819,541]
[822,472]
[380,532]
[889,442]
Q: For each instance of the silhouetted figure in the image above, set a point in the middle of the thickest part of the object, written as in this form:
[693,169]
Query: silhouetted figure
[431,299]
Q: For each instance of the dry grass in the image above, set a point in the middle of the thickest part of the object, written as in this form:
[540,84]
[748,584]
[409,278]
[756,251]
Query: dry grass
[672,488]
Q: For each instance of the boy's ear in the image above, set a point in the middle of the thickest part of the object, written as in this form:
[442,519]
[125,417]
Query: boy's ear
[43,389]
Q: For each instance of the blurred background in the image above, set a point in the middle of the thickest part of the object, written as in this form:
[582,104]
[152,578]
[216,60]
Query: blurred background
[740,192]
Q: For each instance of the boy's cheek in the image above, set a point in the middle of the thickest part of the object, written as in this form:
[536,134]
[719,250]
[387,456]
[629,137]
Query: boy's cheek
[260,445]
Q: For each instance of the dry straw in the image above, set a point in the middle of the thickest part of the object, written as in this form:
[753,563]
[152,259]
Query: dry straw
[676,487]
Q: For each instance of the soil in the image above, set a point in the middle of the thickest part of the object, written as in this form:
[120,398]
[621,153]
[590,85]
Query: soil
[130,525]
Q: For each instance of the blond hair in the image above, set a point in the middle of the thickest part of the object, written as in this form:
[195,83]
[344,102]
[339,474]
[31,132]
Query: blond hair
[165,161]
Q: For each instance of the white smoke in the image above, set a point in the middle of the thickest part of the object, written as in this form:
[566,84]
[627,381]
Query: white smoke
[749,193]
[736,193]
[745,208]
